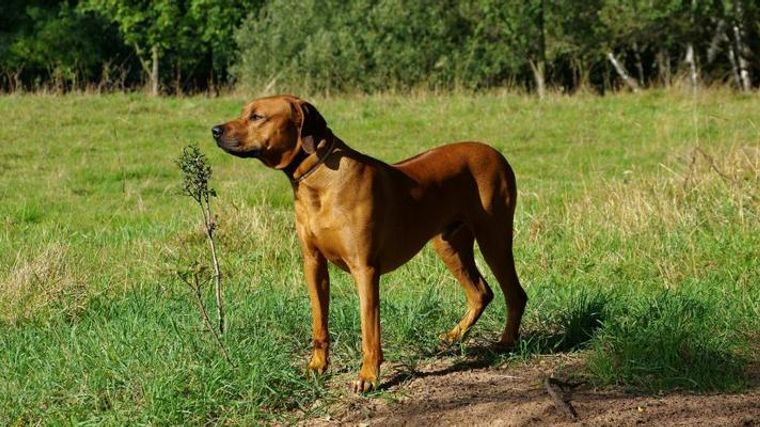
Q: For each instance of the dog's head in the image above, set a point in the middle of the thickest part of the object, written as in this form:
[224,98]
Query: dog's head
[272,129]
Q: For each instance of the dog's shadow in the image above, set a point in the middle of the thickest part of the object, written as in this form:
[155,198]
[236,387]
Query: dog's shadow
[568,331]
[477,356]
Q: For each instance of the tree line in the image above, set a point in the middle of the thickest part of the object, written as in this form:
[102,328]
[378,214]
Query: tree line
[185,46]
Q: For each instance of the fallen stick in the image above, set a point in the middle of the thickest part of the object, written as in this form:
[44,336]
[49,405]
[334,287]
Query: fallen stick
[554,387]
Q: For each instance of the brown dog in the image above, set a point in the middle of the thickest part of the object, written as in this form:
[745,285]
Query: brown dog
[368,217]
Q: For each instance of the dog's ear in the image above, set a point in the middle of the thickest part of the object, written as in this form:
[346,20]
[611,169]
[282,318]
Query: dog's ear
[312,127]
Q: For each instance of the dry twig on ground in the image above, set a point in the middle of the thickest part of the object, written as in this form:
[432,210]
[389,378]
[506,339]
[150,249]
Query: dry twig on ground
[559,396]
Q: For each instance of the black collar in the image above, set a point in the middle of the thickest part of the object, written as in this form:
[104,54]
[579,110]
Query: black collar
[302,155]
[290,169]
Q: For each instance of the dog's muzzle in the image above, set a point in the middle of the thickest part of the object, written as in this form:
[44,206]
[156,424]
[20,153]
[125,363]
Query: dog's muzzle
[231,146]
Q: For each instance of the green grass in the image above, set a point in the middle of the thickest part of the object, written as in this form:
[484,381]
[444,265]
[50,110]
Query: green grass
[639,252]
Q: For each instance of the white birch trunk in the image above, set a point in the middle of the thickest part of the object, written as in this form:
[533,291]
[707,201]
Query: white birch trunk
[539,66]
[692,65]
[538,74]
[718,38]
[150,68]
[734,67]
[741,49]
[630,81]
[154,71]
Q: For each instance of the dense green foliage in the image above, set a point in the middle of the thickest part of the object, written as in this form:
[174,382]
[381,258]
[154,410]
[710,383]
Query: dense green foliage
[637,231]
[362,45]
[71,44]
[49,43]
[376,45]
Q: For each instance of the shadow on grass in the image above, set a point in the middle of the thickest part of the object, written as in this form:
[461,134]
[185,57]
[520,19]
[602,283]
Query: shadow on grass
[652,342]
[645,340]
[567,328]
[672,340]
[475,357]
[553,331]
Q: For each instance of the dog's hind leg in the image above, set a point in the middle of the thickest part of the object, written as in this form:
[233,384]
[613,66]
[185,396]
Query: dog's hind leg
[455,247]
[495,242]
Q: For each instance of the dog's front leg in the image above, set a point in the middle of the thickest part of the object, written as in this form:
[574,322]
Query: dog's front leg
[368,284]
[318,281]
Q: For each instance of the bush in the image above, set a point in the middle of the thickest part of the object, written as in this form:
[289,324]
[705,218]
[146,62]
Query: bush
[368,46]
[364,45]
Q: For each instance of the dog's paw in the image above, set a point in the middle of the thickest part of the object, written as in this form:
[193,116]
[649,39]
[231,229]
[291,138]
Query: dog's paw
[451,337]
[367,380]
[317,365]
[361,386]
[506,344]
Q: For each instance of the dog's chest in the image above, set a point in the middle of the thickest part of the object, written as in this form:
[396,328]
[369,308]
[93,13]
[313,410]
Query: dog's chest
[328,226]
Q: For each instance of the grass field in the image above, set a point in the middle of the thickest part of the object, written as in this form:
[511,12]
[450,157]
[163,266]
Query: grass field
[637,239]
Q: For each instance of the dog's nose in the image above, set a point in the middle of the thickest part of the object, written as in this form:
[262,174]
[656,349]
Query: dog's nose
[217,131]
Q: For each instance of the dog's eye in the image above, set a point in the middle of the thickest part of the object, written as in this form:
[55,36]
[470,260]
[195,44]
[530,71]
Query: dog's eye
[255,117]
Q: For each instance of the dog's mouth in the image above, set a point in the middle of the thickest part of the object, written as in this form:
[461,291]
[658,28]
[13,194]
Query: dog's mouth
[232,147]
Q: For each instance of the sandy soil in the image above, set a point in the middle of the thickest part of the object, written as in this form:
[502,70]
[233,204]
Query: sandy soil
[460,392]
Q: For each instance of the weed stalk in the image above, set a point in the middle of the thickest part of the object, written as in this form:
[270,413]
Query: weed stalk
[196,175]
[195,287]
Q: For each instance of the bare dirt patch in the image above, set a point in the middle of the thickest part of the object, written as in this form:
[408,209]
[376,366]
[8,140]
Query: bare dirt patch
[459,392]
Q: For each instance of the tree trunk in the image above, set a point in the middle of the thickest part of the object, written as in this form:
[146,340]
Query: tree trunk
[663,66]
[734,67]
[606,83]
[639,64]
[580,75]
[692,65]
[538,76]
[539,66]
[177,79]
[15,84]
[717,39]
[150,68]
[690,51]
[741,49]
[630,81]
[154,71]
[212,84]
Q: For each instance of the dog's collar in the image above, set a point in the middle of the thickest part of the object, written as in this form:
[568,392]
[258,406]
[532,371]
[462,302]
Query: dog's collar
[302,155]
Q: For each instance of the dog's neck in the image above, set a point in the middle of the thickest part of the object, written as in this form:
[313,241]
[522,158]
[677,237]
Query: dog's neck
[326,145]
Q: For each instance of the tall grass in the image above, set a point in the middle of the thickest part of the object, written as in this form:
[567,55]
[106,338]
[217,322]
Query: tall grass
[637,243]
